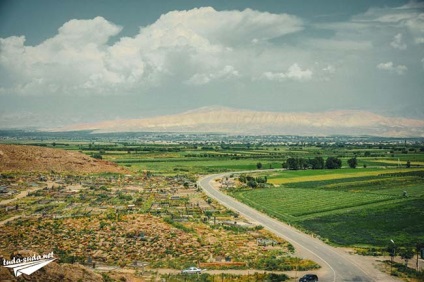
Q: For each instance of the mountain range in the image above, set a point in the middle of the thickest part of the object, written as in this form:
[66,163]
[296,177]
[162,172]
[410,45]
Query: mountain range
[236,121]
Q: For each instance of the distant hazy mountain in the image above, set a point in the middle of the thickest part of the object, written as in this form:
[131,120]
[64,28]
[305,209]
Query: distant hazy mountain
[234,121]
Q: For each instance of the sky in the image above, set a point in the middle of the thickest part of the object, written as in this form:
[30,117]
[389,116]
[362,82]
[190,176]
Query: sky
[66,62]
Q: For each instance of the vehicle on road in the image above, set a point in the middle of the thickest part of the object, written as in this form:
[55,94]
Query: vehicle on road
[309,278]
[191,270]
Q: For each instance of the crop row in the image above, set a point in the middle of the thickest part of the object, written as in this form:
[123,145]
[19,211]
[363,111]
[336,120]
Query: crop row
[300,202]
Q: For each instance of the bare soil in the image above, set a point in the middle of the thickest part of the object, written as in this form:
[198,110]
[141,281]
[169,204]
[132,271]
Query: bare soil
[22,158]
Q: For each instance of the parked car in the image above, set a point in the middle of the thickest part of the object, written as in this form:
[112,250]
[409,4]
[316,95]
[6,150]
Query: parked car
[191,270]
[309,278]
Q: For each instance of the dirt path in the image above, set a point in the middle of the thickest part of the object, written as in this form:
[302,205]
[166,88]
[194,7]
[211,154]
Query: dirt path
[8,201]
[20,196]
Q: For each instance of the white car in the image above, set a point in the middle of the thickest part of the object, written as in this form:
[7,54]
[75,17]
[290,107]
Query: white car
[191,270]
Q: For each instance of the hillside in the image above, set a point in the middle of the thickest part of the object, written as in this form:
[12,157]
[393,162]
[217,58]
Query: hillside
[39,159]
[236,121]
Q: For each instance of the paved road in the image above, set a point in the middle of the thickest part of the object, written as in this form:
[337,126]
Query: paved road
[337,265]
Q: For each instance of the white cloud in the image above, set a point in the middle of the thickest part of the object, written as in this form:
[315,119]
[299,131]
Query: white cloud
[407,19]
[226,73]
[294,72]
[398,43]
[230,27]
[79,59]
[409,16]
[67,62]
[389,66]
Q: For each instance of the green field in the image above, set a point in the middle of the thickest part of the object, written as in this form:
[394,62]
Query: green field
[204,158]
[350,210]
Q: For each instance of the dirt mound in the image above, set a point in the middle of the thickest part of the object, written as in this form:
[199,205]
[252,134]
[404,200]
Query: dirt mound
[39,159]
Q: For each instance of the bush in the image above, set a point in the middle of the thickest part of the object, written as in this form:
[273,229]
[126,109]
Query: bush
[252,184]
[97,156]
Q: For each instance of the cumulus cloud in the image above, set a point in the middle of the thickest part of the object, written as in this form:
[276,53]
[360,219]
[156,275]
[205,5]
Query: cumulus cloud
[79,59]
[398,43]
[294,72]
[230,27]
[70,61]
[390,67]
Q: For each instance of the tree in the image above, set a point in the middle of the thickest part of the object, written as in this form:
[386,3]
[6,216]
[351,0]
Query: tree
[406,254]
[353,162]
[261,179]
[252,184]
[259,165]
[303,164]
[296,163]
[208,214]
[292,163]
[333,163]
[317,163]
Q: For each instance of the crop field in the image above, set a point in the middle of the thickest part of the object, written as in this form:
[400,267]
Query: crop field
[195,165]
[169,154]
[347,208]
[320,175]
[204,160]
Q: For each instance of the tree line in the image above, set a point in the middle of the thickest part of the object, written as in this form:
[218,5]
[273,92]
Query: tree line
[317,163]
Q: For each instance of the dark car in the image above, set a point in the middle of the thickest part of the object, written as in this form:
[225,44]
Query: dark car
[309,278]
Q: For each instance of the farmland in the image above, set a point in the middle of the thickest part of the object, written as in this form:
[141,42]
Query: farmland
[170,154]
[363,207]
[347,208]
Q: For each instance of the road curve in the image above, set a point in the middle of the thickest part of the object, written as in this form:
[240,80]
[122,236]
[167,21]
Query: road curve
[337,265]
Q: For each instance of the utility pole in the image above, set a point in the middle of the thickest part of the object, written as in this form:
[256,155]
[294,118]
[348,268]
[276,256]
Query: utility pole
[392,254]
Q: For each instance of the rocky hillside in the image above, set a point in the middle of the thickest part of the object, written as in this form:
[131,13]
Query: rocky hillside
[39,159]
